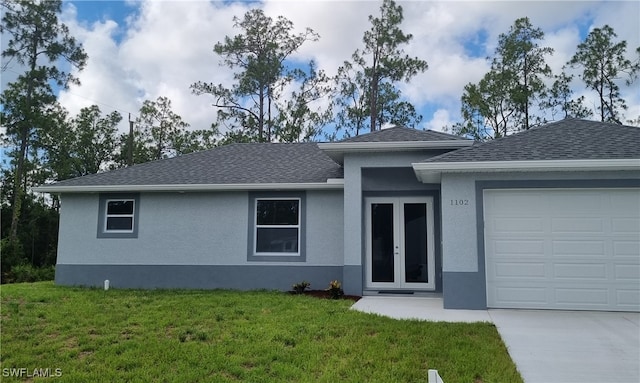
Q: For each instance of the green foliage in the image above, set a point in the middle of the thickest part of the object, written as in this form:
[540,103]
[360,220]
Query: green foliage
[12,254]
[603,64]
[256,107]
[225,336]
[27,273]
[82,145]
[501,102]
[37,238]
[300,116]
[300,287]
[41,44]
[335,289]
[486,109]
[559,99]
[38,38]
[161,133]
[366,85]
[522,61]
[159,127]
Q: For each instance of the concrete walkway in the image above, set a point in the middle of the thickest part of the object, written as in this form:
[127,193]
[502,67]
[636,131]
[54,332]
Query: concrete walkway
[546,346]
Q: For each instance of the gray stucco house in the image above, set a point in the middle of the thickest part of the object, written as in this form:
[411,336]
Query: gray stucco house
[546,218]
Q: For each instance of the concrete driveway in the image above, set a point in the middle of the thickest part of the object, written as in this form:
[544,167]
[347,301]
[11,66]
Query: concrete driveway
[572,346]
[547,346]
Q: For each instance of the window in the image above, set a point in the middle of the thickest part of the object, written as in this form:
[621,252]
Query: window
[276,231]
[277,226]
[118,216]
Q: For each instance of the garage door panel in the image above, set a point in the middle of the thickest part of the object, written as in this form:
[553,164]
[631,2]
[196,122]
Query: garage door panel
[571,297]
[586,202]
[577,225]
[626,248]
[515,270]
[519,225]
[508,203]
[508,296]
[625,225]
[576,249]
[622,202]
[627,272]
[629,299]
[519,247]
[580,271]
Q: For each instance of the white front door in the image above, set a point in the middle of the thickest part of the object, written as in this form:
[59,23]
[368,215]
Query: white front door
[400,243]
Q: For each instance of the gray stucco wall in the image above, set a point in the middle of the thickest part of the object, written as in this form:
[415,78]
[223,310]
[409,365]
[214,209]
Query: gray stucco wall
[193,229]
[464,282]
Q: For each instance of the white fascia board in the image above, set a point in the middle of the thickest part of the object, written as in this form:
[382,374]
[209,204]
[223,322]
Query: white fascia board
[331,184]
[336,150]
[431,171]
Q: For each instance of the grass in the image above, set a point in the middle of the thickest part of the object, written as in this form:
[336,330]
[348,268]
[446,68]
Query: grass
[229,336]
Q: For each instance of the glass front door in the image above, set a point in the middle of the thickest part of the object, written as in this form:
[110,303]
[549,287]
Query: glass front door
[400,243]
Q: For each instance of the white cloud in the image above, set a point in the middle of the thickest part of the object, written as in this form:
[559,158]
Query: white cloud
[440,120]
[165,46]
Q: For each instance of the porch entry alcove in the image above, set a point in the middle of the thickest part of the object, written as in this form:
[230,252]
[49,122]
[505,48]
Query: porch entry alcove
[400,243]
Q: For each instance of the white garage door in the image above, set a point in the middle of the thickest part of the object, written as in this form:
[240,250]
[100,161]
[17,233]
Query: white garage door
[574,249]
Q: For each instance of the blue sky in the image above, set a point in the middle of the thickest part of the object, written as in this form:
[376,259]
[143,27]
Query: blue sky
[145,49]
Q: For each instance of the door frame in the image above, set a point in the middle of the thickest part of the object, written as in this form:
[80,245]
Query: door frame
[399,259]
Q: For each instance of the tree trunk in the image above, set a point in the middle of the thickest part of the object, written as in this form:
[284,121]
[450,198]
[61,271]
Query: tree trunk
[601,93]
[18,190]
[269,114]
[19,176]
[526,98]
[261,116]
[373,101]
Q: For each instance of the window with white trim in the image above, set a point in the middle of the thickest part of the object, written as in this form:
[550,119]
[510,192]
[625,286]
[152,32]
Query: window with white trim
[118,216]
[277,226]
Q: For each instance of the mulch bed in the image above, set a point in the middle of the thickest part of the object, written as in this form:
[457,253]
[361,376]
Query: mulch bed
[323,294]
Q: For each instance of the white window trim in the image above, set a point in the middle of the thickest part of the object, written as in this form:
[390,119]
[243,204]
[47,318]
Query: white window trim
[256,226]
[107,215]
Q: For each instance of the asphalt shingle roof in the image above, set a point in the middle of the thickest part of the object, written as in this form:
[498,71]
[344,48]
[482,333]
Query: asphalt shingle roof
[230,164]
[400,133]
[569,139]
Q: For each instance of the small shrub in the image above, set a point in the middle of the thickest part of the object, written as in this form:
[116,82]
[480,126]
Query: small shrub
[335,289]
[299,288]
[12,255]
[29,273]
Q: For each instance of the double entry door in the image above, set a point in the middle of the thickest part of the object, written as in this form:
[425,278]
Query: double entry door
[400,243]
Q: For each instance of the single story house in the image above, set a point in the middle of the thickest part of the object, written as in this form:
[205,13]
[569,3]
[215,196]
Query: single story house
[547,218]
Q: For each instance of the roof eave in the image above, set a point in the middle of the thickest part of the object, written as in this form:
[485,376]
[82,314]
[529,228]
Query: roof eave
[431,172]
[337,150]
[330,184]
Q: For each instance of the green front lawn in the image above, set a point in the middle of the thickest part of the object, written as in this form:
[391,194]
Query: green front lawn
[226,336]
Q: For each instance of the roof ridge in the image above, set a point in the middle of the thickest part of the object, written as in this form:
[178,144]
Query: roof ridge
[399,133]
[559,140]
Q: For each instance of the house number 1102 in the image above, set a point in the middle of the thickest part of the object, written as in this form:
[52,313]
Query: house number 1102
[459,202]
